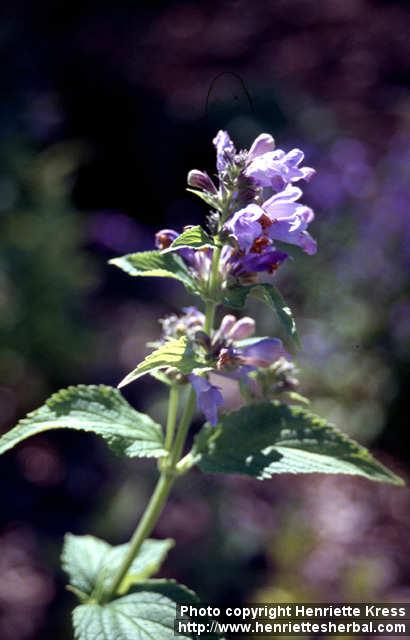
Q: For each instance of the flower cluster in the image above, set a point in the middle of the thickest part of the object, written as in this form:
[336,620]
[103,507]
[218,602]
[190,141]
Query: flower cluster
[256,205]
[261,366]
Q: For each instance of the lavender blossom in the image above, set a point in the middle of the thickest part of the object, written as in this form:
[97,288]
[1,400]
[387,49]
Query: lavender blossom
[208,397]
[289,219]
[225,150]
[262,262]
[262,353]
[201,180]
[276,169]
[280,217]
[245,227]
[263,144]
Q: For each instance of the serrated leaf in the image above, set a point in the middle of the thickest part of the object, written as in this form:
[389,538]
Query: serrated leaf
[177,592]
[91,563]
[192,238]
[236,297]
[156,264]
[96,408]
[268,438]
[143,615]
[173,353]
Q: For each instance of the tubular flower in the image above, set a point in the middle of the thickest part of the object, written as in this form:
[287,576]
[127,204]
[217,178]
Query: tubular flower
[276,169]
[280,217]
[265,165]
[248,225]
[225,150]
[231,352]
[208,397]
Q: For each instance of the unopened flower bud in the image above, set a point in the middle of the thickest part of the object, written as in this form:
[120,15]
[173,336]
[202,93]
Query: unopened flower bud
[201,180]
[165,237]
[244,328]
[226,325]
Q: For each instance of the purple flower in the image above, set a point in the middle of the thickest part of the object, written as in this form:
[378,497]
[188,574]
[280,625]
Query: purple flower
[289,219]
[245,227]
[225,150]
[243,328]
[262,353]
[201,180]
[280,217]
[264,143]
[276,168]
[208,397]
[267,261]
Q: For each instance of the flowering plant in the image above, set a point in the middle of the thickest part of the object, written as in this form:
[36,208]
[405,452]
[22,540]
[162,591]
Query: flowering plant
[255,212]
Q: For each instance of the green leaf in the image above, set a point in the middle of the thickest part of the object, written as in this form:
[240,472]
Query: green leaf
[99,409]
[236,297]
[147,612]
[144,615]
[211,200]
[193,238]
[173,353]
[156,264]
[273,298]
[261,440]
[91,563]
[169,588]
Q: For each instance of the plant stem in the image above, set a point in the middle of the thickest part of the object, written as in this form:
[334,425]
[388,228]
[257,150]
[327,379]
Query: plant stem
[183,428]
[172,415]
[145,526]
[169,471]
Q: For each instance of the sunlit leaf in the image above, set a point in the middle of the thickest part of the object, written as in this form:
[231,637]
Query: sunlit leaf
[268,438]
[91,563]
[192,238]
[156,264]
[173,353]
[96,408]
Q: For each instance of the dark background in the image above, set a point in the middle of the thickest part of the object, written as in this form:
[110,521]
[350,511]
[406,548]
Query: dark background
[104,109]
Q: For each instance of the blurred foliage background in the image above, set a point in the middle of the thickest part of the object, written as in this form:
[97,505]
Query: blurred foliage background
[105,107]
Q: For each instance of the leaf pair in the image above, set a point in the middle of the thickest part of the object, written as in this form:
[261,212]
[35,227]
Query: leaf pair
[258,440]
[145,613]
[168,264]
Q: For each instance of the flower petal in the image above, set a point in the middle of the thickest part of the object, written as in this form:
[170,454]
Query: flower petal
[208,397]
[262,144]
